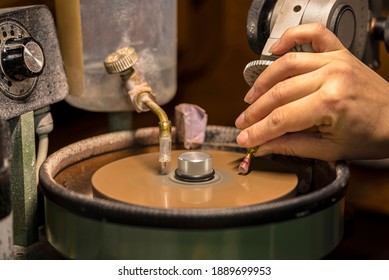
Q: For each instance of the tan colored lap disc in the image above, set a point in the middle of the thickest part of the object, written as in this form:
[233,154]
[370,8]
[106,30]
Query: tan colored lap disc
[136,180]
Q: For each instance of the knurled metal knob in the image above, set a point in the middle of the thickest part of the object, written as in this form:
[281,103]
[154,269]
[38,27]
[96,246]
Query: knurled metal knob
[254,69]
[121,60]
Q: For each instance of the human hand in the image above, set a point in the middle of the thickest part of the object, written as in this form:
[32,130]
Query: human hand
[326,105]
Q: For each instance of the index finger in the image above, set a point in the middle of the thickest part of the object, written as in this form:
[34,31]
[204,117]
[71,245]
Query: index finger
[286,119]
[317,35]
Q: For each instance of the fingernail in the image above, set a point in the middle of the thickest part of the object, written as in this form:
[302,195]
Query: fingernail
[275,46]
[249,96]
[240,120]
[242,138]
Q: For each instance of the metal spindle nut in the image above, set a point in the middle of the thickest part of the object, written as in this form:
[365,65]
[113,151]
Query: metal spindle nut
[194,167]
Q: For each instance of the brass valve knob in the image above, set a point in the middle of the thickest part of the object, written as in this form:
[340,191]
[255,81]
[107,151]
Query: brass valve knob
[121,61]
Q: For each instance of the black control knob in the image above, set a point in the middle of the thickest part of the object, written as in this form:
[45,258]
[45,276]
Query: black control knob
[381,30]
[258,23]
[22,58]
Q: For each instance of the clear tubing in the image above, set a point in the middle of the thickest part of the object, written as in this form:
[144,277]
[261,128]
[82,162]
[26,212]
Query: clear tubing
[165,144]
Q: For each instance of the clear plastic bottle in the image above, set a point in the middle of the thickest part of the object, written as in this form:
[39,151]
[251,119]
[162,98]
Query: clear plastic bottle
[89,30]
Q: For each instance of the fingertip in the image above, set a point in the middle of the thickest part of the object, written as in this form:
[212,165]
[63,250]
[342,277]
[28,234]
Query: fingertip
[242,138]
[239,122]
[274,47]
[249,98]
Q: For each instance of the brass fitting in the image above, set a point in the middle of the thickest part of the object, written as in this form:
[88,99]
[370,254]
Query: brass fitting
[140,93]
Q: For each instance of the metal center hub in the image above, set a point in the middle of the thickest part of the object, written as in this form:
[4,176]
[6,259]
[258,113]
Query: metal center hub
[194,167]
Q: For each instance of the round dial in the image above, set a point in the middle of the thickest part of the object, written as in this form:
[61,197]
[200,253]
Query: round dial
[22,60]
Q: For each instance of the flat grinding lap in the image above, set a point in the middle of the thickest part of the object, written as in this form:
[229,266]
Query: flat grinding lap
[136,180]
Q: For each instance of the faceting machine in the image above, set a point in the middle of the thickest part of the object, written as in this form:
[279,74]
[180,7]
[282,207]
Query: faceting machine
[174,191]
